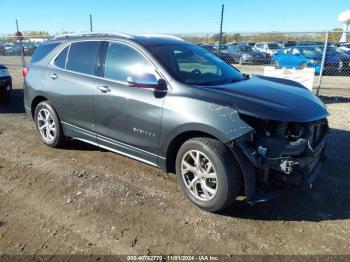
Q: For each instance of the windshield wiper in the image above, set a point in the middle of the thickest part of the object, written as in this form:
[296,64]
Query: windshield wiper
[221,82]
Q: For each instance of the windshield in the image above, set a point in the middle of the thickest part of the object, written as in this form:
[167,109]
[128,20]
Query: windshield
[273,46]
[194,65]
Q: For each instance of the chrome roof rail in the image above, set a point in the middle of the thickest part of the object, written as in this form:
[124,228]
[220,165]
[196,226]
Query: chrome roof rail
[92,34]
[161,35]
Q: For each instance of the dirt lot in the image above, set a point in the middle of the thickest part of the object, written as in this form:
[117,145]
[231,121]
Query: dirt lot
[83,200]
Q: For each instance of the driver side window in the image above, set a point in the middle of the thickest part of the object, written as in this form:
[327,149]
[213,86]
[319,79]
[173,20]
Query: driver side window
[123,61]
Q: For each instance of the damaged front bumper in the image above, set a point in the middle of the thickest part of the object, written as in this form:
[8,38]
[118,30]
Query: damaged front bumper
[271,165]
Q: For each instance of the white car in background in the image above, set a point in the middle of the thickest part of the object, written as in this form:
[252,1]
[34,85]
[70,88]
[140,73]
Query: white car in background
[269,48]
[345,47]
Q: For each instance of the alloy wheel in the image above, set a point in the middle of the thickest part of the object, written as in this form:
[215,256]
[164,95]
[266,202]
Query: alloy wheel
[199,175]
[46,125]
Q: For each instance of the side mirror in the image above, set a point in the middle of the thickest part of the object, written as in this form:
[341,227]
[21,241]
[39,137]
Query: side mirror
[147,81]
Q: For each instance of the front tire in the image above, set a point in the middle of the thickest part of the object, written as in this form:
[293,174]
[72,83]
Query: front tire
[208,173]
[48,125]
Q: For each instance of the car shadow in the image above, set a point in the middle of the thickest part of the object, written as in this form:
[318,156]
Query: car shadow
[14,105]
[76,145]
[327,200]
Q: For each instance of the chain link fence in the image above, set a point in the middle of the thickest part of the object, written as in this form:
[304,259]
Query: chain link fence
[251,53]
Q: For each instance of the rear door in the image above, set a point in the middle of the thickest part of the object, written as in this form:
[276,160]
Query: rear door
[70,81]
[127,118]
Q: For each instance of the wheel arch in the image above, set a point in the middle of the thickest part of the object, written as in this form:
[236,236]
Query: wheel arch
[38,99]
[177,142]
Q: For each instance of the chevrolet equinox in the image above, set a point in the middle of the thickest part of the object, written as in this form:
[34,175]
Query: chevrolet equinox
[175,105]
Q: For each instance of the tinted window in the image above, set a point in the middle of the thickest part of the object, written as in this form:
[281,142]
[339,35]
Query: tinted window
[82,57]
[60,60]
[42,51]
[123,61]
[194,65]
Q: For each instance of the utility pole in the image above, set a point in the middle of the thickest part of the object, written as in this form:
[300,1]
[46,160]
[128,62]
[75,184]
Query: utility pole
[222,19]
[91,23]
[19,38]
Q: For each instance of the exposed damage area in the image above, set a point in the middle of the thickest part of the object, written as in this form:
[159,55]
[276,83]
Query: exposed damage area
[281,154]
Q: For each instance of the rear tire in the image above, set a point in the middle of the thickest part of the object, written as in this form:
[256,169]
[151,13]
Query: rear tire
[214,183]
[48,125]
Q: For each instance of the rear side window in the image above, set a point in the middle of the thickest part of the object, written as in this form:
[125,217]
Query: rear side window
[42,51]
[82,57]
[60,60]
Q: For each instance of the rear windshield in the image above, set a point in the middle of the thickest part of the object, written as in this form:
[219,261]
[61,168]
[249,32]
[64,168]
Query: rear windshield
[42,51]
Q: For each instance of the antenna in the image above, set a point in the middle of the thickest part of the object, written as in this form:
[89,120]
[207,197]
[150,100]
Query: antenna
[344,18]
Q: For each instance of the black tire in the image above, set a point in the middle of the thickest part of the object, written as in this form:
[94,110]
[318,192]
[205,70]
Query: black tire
[59,138]
[226,167]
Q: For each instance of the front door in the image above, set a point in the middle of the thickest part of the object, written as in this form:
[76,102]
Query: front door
[127,118]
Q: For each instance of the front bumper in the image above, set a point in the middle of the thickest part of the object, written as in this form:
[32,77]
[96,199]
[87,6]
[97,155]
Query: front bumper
[286,165]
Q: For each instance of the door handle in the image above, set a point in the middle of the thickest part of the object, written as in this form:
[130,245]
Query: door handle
[54,76]
[103,89]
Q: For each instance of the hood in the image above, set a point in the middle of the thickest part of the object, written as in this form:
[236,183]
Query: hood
[269,98]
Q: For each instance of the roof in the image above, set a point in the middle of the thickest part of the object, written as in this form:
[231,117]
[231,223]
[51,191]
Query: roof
[144,39]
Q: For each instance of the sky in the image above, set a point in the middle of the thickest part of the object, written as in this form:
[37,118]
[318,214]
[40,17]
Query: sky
[177,16]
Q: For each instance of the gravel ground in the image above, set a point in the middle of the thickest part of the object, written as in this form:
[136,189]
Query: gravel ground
[84,200]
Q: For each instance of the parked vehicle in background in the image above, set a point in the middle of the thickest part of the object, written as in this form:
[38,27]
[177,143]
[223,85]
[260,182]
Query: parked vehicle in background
[2,48]
[289,44]
[311,56]
[245,54]
[345,48]
[252,44]
[29,48]
[280,45]
[175,105]
[12,49]
[310,43]
[5,83]
[267,48]
[210,48]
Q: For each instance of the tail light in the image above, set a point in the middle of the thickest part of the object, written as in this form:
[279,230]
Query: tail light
[25,71]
